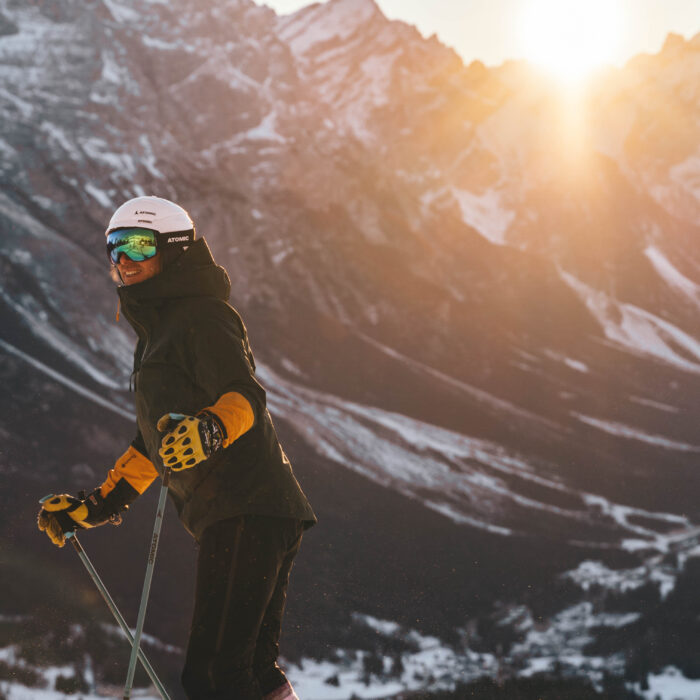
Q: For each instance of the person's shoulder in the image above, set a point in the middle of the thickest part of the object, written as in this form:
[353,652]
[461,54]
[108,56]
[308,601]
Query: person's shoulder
[199,304]
[210,310]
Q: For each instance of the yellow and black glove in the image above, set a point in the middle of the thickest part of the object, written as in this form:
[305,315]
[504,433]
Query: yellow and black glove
[189,440]
[62,514]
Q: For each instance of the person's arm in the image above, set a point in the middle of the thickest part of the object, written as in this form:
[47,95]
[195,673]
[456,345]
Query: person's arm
[221,360]
[222,364]
[189,440]
[235,415]
[131,475]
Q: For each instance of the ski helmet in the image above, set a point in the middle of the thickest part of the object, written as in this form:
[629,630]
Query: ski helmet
[154,213]
[173,225]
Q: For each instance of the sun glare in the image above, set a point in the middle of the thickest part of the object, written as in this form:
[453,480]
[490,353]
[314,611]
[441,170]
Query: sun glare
[570,39]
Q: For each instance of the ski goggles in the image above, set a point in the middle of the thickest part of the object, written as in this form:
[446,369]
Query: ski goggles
[138,244]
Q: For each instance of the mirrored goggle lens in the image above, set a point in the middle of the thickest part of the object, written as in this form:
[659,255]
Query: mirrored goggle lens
[138,244]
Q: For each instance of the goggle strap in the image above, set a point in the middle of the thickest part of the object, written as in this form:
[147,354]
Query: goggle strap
[175,238]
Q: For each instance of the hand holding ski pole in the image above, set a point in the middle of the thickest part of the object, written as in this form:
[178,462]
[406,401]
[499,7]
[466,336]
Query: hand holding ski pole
[61,514]
[60,517]
[189,440]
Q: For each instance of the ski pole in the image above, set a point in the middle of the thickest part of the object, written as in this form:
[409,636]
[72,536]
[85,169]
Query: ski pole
[115,611]
[135,649]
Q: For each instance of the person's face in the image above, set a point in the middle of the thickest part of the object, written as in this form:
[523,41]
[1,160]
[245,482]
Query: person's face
[132,272]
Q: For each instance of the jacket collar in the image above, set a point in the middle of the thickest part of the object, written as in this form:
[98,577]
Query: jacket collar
[193,274]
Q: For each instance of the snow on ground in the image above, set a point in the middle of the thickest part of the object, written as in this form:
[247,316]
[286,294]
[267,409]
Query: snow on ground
[162,45]
[594,573]
[560,641]
[148,157]
[489,402]
[459,476]
[671,275]
[485,213]
[23,106]
[656,567]
[47,683]
[576,365]
[654,404]
[26,244]
[112,71]
[99,151]
[315,25]
[670,684]
[627,518]
[71,351]
[216,62]
[679,194]
[384,627]
[148,639]
[687,175]
[57,136]
[99,195]
[61,379]
[47,675]
[122,13]
[432,666]
[469,480]
[630,433]
[637,330]
[14,691]
[358,102]
[265,131]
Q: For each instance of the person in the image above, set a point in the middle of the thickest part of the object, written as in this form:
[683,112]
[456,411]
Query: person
[202,412]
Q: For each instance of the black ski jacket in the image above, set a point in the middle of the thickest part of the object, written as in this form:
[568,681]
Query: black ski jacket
[193,348]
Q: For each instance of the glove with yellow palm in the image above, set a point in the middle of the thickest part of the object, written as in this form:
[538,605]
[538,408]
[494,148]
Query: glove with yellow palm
[63,514]
[189,440]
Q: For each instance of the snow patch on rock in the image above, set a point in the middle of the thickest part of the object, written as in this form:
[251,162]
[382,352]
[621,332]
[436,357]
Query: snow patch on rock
[630,433]
[671,275]
[485,213]
[320,23]
[637,330]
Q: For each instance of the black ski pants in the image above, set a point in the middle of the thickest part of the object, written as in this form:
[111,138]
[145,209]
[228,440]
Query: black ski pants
[242,574]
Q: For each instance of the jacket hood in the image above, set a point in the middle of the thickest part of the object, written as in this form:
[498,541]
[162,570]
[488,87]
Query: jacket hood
[193,274]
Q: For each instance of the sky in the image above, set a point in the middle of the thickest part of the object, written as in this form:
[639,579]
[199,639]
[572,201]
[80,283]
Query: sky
[494,30]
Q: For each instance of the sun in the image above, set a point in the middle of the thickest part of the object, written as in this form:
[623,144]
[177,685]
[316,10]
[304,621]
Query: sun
[570,38]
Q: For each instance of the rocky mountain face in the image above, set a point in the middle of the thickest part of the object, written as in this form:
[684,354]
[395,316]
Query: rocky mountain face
[474,302]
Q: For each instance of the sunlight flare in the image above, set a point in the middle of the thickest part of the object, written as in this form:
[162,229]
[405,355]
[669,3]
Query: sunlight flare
[568,39]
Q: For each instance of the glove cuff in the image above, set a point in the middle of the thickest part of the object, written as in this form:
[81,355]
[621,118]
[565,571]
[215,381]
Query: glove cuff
[102,509]
[212,432]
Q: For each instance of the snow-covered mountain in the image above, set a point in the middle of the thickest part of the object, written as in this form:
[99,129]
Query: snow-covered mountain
[475,304]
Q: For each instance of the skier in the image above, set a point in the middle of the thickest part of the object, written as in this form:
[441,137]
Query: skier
[202,412]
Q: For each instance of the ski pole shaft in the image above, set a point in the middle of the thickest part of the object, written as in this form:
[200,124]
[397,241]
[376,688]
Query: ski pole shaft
[147,584]
[115,611]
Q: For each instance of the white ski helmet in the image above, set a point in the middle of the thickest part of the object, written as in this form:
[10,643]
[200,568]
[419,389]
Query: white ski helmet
[154,213]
